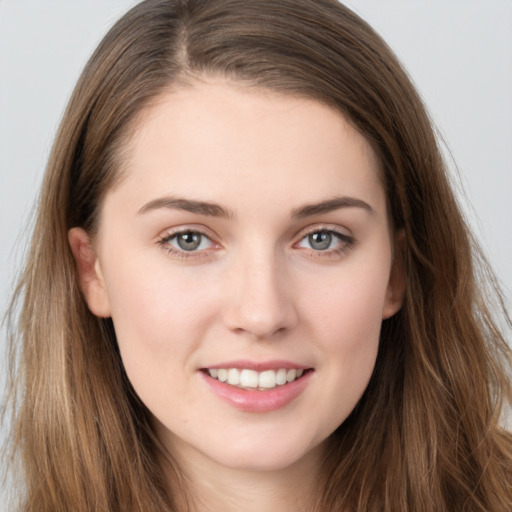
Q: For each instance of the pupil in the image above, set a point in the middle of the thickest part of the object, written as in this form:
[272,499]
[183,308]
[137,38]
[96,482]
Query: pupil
[320,241]
[189,241]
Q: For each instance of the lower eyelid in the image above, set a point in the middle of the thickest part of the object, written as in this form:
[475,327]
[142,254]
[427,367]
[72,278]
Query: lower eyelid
[336,252]
[183,254]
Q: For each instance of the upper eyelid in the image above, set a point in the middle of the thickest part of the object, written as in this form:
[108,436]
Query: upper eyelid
[323,227]
[202,230]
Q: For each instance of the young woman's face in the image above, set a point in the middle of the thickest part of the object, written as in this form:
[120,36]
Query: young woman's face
[248,240]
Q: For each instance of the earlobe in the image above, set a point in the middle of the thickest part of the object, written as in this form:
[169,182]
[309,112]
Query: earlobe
[89,272]
[397,279]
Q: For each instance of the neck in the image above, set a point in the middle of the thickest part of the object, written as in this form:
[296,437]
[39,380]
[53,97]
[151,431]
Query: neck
[201,485]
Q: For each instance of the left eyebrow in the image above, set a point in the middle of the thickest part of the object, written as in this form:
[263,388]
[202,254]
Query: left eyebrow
[331,205]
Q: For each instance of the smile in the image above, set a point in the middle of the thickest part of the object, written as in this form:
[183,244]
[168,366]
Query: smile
[256,388]
[254,380]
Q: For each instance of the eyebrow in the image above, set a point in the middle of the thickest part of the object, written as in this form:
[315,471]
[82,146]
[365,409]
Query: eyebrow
[331,205]
[214,210]
[176,203]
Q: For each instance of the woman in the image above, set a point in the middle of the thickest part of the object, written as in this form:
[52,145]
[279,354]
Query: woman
[249,283]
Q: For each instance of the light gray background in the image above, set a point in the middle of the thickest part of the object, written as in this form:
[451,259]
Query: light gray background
[458,52]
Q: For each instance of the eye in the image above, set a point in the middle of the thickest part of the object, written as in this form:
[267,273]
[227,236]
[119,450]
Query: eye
[320,241]
[325,240]
[188,241]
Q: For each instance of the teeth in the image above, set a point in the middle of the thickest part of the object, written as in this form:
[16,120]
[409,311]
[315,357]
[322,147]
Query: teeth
[249,379]
[290,375]
[281,377]
[267,379]
[233,376]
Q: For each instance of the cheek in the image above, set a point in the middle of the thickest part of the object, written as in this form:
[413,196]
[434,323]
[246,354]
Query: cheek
[345,320]
[350,330]
[348,308]
[159,316]
[160,321]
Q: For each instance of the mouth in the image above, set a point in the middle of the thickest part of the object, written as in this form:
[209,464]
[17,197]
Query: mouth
[248,379]
[257,387]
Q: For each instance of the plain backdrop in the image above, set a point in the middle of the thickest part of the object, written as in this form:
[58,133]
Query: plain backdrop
[458,52]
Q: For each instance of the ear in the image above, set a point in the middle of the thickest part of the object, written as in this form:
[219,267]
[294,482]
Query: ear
[396,285]
[90,276]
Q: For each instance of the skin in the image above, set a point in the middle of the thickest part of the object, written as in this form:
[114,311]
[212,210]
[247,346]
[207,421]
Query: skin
[256,288]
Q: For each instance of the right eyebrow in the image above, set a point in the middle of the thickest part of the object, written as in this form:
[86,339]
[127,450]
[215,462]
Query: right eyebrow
[193,206]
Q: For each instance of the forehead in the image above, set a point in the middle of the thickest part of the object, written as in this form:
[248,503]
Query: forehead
[222,139]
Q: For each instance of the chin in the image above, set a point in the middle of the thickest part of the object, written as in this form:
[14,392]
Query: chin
[268,456]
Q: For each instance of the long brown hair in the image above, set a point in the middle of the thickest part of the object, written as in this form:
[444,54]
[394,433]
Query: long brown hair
[426,434]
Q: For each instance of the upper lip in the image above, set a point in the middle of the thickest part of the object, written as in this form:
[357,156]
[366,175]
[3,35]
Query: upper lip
[259,366]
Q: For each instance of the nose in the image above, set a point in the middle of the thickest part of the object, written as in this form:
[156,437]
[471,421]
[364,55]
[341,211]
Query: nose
[260,300]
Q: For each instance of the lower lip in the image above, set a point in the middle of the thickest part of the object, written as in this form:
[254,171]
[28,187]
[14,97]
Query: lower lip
[258,401]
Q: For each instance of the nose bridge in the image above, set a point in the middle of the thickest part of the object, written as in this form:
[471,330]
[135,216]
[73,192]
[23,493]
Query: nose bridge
[260,302]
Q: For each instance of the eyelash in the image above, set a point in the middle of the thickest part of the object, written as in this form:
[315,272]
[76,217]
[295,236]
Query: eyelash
[346,242]
[165,240]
